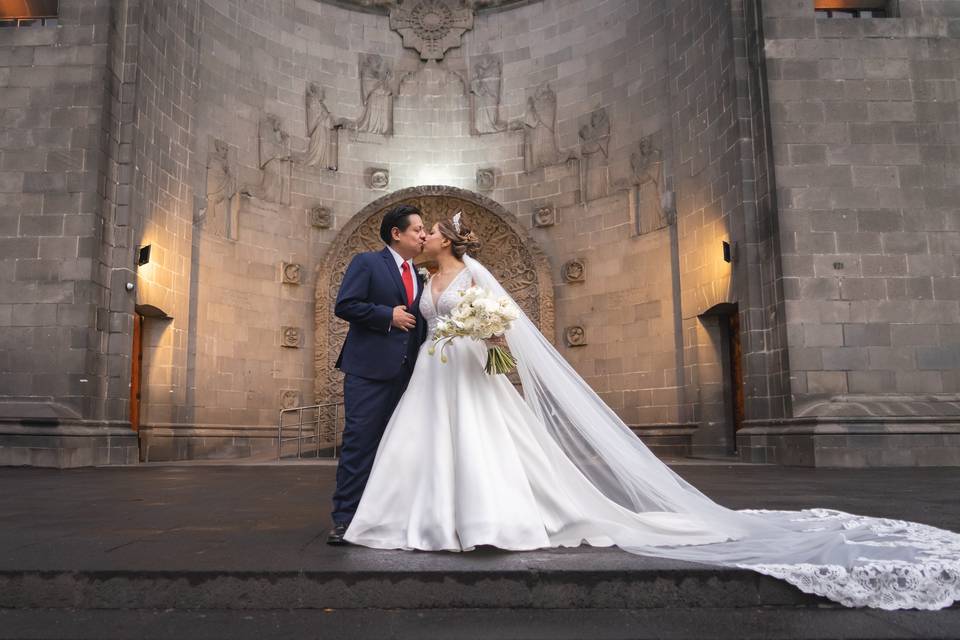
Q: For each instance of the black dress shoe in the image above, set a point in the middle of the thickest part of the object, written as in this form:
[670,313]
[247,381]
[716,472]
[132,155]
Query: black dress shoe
[335,537]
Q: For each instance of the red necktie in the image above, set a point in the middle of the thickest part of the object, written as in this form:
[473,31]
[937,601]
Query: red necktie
[407,282]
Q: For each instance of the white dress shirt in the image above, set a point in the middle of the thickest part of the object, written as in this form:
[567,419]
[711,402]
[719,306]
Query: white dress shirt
[413,272]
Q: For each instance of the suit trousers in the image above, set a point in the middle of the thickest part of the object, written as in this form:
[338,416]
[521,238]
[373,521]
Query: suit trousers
[368,405]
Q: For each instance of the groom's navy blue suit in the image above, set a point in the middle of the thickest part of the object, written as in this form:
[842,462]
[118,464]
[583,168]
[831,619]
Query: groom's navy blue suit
[377,359]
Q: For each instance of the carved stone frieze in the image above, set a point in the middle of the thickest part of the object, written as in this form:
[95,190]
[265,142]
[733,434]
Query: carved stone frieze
[378,87]
[574,271]
[646,163]
[538,126]
[323,131]
[594,152]
[291,273]
[275,162]
[485,88]
[221,216]
[431,26]
[507,251]
[575,336]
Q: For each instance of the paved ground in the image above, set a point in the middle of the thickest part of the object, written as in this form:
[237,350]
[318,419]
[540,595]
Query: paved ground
[274,518]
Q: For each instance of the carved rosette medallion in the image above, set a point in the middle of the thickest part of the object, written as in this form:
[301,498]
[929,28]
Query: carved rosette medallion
[290,398]
[575,336]
[321,217]
[431,26]
[574,271]
[290,337]
[507,251]
[545,217]
[485,179]
[378,178]
[291,272]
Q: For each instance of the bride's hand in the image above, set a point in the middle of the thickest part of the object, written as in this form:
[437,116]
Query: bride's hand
[496,341]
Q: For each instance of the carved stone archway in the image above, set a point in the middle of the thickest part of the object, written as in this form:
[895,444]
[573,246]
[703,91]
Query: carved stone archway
[507,251]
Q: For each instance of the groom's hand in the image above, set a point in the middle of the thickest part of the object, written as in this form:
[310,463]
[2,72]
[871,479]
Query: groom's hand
[402,319]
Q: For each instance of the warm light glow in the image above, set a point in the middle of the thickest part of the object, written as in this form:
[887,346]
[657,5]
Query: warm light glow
[12,9]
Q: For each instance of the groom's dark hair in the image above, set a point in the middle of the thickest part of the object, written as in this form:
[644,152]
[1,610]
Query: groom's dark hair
[398,217]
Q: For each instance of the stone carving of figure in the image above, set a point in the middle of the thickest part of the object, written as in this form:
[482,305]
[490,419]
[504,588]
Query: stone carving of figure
[647,165]
[322,129]
[223,204]
[485,96]
[275,162]
[538,127]
[376,89]
[594,147]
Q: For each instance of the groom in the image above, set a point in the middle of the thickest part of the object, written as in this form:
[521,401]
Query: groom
[380,298]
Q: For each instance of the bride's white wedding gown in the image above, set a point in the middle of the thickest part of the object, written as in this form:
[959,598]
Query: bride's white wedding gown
[466,461]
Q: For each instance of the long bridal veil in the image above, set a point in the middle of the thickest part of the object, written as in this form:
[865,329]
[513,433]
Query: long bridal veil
[855,560]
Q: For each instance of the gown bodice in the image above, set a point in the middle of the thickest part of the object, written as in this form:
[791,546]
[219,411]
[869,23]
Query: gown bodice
[446,301]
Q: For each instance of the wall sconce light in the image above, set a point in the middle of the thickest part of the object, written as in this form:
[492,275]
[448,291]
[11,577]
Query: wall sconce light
[143,255]
[727,252]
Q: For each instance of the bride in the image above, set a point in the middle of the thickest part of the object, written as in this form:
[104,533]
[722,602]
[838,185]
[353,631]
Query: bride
[467,461]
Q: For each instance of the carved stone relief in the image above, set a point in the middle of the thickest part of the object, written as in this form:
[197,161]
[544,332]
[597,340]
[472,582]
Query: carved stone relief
[291,272]
[574,271]
[290,337]
[485,96]
[538,126]
[323,131]
[290,398]
[275,162]
[221,216]
[321,217]
[575,336]
[545,216]
[594,152]
[377,89]
[486,179]
[431,26]
[507,251]
[646,163]
[378,178]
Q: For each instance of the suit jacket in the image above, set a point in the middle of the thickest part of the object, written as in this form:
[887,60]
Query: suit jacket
[371,288]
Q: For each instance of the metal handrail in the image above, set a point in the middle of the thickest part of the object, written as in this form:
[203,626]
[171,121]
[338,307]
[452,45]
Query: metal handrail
[313,426]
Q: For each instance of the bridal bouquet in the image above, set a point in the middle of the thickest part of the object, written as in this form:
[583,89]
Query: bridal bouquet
[480,316]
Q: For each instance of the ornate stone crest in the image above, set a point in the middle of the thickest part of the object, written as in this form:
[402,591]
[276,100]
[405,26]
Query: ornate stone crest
[574,271]
[485,179]
[290,398]
[290,337]
[545,217]
[321,217]
[431,26]
[378,178]
[575,336]
[291,273]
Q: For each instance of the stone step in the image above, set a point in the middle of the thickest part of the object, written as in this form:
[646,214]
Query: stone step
[748,623]
[663,585]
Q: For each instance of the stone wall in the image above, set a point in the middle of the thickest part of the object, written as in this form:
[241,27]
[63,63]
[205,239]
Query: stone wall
[865,141]
[54,275]
[216,371]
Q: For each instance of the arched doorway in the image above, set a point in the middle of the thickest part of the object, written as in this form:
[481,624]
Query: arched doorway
[507,251]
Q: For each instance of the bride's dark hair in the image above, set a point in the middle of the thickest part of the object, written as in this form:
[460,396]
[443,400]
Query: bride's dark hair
[461,242]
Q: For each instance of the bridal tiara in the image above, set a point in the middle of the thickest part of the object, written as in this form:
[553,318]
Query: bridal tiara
[456,221]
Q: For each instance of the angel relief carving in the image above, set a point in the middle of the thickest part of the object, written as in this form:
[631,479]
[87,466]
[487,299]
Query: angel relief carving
[377,89]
